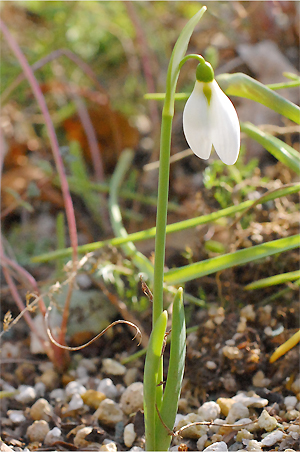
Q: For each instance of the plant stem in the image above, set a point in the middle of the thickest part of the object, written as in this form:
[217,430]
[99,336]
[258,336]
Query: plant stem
[161,218]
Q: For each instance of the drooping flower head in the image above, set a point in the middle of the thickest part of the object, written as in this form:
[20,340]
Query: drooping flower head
[209,118]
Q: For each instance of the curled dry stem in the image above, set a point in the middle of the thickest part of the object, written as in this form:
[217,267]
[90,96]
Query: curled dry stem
[80,347]
[208,423]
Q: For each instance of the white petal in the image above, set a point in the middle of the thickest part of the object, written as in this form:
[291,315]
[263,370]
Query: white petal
[225,126]
[196,123]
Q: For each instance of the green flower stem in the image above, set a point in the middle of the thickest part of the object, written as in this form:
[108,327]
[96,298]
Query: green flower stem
[161,218]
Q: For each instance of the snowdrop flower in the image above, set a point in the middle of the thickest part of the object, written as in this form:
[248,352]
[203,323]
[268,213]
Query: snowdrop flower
[209,118]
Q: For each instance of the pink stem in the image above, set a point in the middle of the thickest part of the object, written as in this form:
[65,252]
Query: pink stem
[57,157]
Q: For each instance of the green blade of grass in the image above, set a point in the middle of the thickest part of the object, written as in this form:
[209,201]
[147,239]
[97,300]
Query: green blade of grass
[171,228]
[283,152]
[273,280]
[209,266]
[244,86]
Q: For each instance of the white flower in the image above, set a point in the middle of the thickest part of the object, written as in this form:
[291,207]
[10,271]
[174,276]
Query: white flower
[209,118]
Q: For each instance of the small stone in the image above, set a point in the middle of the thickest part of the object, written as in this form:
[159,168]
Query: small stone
[209,411]
[232,352]
[242,325]
[109,412]
[292,415]
[107,387]
[108,446]
[26,395]
[243,434]
[132,398]
[57,394]
[93,398]
[220,446]
[254,401]
[229,382]
[259,380]
[129,435]
[50,378]
[10,350]
[290,402]
[194,431]
[89,365]
[272,438]
[16,416]
[295,387]
[40,389]
[53,436]
[38,431]
[113,367]
[75,403]
[248,312]
[74,388]
[267,422]
[254,446]
[79,439]
[225,404]
[136,449]
[237,411]
[41,409]
[211,365]
[201,442]
[130,376]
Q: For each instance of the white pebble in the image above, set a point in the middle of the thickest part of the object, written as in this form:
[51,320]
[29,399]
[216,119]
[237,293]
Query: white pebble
[81,372]
[129,435]
[109,412]
[266,421]
[201,441]
[211,365]
[209,411]
[193,431]
[232,352]
[57,394]
[16,416]
[290,402]
[254,446]
[136,449]
[79,439]
[53,436]
[248,312]
[254,401]
[130,376]
[259,380]
[74,388]
[295,387]
[107,387]
[41,409]
[38,431]
[113,367]
[27,394]
[75,403]
[108,446]
[220,446]
[40,389]
[89,365]
[132,398]
[272,438]
[237,411]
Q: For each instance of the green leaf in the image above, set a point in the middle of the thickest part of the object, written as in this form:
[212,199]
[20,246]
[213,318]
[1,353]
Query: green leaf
[283,152]
[152,392]
[171,228]
[209,266]
[244,86]
[175,373]
[273,280]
